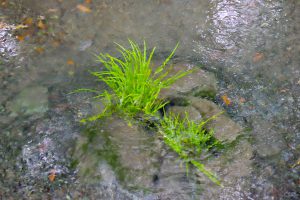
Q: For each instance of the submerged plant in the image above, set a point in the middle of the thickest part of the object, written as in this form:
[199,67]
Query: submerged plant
[134,84]
[189,140]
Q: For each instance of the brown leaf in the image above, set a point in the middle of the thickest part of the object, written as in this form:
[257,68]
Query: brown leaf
[226,100]
[83,8]
[28,21]
[20,38]
[41,25]
[88,1]
[258,57]
[56,43]
[39,49]
[52,175]
[70,62]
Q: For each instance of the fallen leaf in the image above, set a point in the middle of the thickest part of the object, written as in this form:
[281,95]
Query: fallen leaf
[70,62]
[56,43]
[20,38]
[83,8]
[41,25]
[20,26]
[226,100]
[28,21]
[4,3]
[52,175]
[88,1]
[39,49]
[258,57]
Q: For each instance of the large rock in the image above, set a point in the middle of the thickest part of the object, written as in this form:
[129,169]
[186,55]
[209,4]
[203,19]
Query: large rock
[224,127]
[268,138]
[181,111]
[173,182]
[198,83]
[129,153]
[232,168]
[31,100]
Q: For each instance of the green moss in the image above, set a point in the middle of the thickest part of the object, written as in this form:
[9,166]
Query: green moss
[106,151]
[207,94]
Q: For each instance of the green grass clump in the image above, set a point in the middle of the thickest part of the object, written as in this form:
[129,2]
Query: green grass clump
[189,140]
[134,88]
[134,84]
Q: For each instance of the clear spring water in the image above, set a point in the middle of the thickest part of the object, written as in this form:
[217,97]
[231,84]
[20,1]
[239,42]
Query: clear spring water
[252,46]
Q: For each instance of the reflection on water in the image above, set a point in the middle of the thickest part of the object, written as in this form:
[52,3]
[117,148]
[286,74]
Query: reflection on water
[253,47]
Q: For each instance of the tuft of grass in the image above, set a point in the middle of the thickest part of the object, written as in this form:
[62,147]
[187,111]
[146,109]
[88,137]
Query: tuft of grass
[134,88]
[189,140]
[134,84]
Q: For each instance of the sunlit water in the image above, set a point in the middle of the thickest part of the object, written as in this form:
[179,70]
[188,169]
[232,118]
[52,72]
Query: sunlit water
[252,46]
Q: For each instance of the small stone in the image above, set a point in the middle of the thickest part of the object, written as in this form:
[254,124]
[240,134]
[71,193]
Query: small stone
[193,114]
[224,127]
[198,83]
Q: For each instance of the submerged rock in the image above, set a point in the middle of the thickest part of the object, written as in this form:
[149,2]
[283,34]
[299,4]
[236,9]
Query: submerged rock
[173,181]
[182,111]
[268,140]
[198,109]
[198,83]
[224,127]
[32,100]
[232,168]
[129,152]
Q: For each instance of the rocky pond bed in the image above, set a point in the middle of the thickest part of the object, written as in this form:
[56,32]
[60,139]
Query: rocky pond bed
[249,57]
[60,155]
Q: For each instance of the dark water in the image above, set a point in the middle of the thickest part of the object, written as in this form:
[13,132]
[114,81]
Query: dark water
[252,46]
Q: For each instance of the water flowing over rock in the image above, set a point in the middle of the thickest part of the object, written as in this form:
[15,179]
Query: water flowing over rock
[31,100]
[199,83]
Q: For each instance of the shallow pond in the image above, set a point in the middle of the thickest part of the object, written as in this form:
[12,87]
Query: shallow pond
[252,48]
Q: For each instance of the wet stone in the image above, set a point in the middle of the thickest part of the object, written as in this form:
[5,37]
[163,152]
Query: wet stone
[173,181]
[181,111]
[198,83]
[31,100]
[224,127]
[130,155]
[231,167]
[268,141]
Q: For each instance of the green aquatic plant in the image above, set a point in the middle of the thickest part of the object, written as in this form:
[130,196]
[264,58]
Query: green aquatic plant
[134,84]
[189,140]
[134,87]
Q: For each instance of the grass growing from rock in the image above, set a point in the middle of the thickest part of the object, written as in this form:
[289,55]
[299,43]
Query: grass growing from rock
[134,85]
[134,88]
[189,140]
